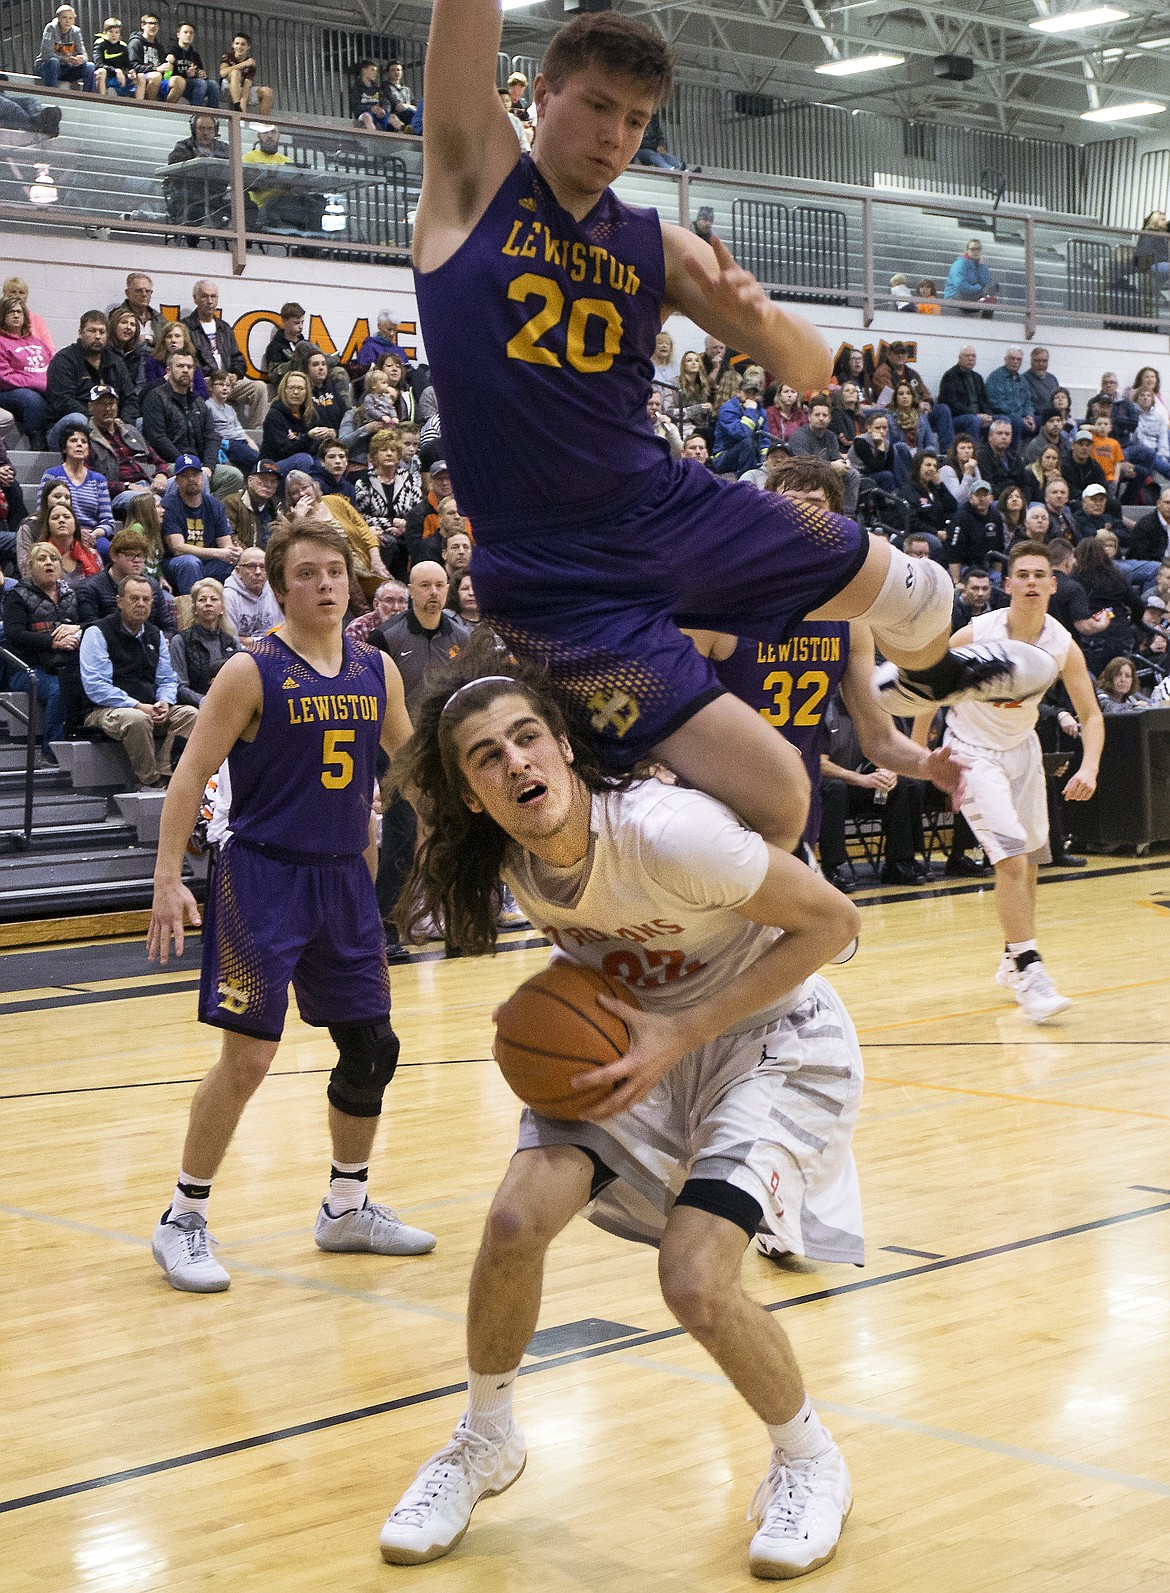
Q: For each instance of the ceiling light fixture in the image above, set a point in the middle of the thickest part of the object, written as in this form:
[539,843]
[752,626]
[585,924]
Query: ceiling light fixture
[1123,113]
[1072,21]
[847,67]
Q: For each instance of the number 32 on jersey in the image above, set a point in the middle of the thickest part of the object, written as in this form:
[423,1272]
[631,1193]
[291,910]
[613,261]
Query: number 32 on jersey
[591,323]
[797,699]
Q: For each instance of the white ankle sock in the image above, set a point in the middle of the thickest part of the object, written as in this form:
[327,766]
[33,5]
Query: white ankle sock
[913,606]
[347,1187]
[804,1437]
[191,1194]
[489,1401]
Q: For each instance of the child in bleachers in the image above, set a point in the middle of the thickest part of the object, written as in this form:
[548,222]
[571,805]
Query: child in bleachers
[380,401]
[234,443]
[112,64]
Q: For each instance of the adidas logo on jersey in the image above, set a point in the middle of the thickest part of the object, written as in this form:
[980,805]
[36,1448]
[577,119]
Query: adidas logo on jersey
[290,684]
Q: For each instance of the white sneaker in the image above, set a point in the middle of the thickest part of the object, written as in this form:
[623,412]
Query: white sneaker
[801,1506]
[182,1248]
[435,1511]
[376,1230]
[1000,671]
[1006,972]
[787,1260]
[510,916]
[1037,995]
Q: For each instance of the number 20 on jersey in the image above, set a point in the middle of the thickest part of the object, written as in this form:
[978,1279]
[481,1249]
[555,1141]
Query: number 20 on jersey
[550,322]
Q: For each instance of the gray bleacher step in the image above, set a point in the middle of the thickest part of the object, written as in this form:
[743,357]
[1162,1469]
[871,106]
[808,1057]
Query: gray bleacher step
[13,712]
[57,838]
[45,780]
[53,808]
[95,765]
[76,869]
[12,754]
[142,811]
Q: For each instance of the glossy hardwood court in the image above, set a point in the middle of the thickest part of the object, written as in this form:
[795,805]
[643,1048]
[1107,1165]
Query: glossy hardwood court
[998,1374]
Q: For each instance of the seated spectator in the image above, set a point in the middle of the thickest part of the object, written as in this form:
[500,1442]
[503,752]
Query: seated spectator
[806,480]
[846,420]
[253,513]
[375,499]
[517,90]
[87,488]
[178,424]
[216,349]
[1148,380]
[143,514]
[382,341]
[148,58]
[23,114]
[414,396]
[127,462]
[449,523]
[62,57]
[234,443]
[457,555]
[714,362]
[785,414]
[1117,690]
[1060,516]
[461,599]
[237,77]
[367,105]
[1013,509]
[927,297]
[331,471]
[1107,452]
[12,510]
[1094,516]
[852,787]
[124,338]
[422,522]
[128,678]
[1069,604]
[174,339]
[999,463]
[653,151]
[901,294]
[932,505]
[408,487]
[200,652]
[1041,382]
[740,429]
[388,601]
[1044,468]
[976,596]
[268,206]
[969,282]
[1148,538]
[249,601]
[666,365]
[849,366]
[57,522]
[963,392]
[195,529]
[398,100]
[198,200]
[1050,435]
[305,501]
[897,357]
[662,425]
[979,535]
[41,627]
[289,425]
[1079,468]
[817,439]
[908,423]
[79,367]
[1123,411]
[1010,394]
[186,65]
[24,371]
[97,596]
[329,387]
[17,288]
[1113,633]
[379,405]
[283,344]
[1037,526]
[1150,447]
[113,68]
[872,453]
[960,471]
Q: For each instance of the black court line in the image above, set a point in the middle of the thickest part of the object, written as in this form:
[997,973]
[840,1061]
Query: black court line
[923,1255]
[283,1073]
[1150,1189]
[595,1352]
[925,892]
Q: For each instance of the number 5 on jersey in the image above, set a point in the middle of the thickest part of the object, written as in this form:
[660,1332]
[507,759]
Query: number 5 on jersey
[336,763]
[526,344]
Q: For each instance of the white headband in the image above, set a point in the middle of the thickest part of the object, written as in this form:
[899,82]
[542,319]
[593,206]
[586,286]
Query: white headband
[483,680]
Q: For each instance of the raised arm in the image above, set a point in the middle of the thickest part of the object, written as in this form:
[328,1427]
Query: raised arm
[881,740]
[468,146]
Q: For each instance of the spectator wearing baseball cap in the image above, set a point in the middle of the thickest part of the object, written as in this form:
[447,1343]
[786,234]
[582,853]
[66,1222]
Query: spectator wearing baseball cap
[253,512]
[980,537]
[120,451]
[1079,468]
[423,519]
[195,527]
[1093,516]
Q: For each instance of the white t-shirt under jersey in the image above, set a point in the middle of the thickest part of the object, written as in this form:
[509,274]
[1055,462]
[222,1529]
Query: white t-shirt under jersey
[1003,725]
[652,902]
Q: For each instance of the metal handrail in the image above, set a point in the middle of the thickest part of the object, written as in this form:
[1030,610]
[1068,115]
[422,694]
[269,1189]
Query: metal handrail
[23,837]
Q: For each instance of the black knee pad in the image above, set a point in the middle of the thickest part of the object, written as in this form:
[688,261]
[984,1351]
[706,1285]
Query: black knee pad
[367,1058]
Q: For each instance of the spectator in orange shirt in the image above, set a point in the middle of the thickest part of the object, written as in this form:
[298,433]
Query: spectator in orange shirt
[1107,451]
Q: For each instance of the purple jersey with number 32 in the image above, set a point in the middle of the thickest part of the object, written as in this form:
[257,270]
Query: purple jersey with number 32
[540,335]
[305,783]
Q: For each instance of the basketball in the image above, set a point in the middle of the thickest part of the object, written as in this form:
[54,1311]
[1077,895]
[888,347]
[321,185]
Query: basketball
[553,1028]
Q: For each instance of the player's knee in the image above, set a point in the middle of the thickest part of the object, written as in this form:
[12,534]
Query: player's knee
[367,1055]
[514,1228]
[696,1298]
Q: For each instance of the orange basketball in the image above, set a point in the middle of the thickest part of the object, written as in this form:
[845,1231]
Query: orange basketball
[553,1028]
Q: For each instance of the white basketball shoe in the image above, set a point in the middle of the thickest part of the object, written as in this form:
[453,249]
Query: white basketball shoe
[801,1506]
[1033,988]
[435,1511]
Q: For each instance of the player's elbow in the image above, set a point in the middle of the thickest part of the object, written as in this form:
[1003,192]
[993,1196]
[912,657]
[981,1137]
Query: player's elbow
[846,923]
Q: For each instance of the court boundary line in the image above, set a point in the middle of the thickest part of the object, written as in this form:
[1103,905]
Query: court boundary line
[552,1363]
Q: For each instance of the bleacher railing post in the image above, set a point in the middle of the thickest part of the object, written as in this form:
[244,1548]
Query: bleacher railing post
[684,200]
[868,303]
[239,218]
[1029,278]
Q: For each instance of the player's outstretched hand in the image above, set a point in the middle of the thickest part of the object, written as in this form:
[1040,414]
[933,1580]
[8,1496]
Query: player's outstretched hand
[947,772]
[172,908]
[1080,788]
[731,292]
[657,1043]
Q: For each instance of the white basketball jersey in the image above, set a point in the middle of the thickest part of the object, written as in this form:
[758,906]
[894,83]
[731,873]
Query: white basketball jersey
[1003,725]
[652,903]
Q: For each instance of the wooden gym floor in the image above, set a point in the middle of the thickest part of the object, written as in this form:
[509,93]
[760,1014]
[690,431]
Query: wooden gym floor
[998,1374]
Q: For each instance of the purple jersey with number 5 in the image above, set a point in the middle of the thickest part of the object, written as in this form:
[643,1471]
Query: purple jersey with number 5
[791,684]
[304,785]
[540,335]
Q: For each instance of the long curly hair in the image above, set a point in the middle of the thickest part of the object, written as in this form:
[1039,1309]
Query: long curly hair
[455,878]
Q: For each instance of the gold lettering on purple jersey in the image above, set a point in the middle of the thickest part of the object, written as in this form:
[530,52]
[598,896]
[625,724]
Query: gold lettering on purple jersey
[511,247]
[597,255]
[577,269]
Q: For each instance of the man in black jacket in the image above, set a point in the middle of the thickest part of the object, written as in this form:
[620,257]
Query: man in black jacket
[175,422]
[216,349]
[201,199]
[78,368]
[999,463]
[1148,538]
[964,394]
[1079,468]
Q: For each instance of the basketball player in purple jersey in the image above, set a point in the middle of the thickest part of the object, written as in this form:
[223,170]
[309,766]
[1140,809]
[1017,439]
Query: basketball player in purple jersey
[540,296]
[299,718]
